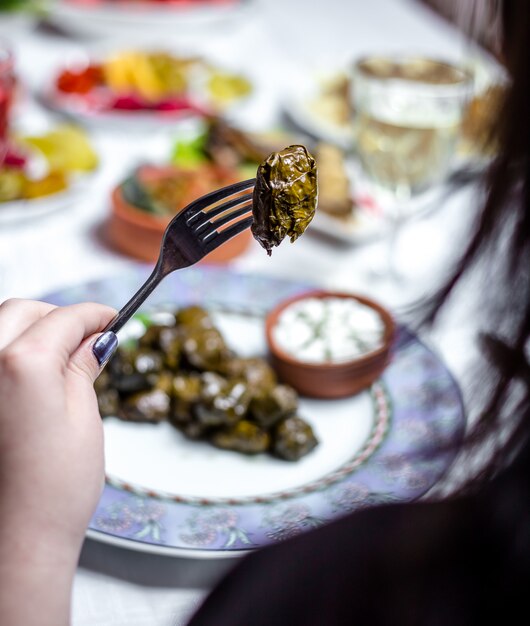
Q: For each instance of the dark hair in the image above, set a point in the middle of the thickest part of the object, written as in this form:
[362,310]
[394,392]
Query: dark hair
[500,248]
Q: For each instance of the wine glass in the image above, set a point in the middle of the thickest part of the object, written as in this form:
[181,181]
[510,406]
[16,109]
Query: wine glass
[408,112]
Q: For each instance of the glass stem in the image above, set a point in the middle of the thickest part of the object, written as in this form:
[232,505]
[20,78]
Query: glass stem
[401,196]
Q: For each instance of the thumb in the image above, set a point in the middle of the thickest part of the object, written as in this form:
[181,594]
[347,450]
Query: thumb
[93,354]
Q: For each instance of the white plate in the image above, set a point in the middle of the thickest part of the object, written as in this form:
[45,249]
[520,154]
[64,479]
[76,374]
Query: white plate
[169,495]
[19,211]
[31,121]
[140,19]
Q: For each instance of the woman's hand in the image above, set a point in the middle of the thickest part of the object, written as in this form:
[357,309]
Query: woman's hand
[51,452]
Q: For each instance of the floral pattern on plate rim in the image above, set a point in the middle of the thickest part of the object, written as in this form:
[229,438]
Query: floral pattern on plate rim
[426,410]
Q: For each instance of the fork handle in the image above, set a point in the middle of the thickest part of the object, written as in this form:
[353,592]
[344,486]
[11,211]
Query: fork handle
[129,309]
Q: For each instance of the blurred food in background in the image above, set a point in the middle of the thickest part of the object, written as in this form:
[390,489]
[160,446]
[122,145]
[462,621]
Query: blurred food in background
[15,6]
[165,190]
[7,88]
[216,141]
[156,81]
[41,165]
[479,122]
[333,102]
[334,185]
[225,145]
[214,155]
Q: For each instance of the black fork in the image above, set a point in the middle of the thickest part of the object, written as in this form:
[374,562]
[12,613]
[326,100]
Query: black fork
[202,226]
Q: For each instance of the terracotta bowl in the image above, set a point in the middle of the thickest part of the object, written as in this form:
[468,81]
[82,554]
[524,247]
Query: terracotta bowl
[330,380]
[139,234]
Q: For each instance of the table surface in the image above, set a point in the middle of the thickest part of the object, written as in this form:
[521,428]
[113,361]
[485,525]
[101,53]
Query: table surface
[271,39]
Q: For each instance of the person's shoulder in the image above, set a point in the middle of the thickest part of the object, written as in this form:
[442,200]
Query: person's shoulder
[449,562]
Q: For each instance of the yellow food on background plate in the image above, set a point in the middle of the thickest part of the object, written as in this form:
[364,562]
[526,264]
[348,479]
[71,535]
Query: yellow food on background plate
[66,149]
[158,80]
[225,88]
[335,195]
[333,100]
[42,165]
[46,186]
[151,75]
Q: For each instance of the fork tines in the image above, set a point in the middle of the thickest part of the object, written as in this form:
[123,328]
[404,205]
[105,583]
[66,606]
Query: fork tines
[226,216]
[196,210]
[233,221]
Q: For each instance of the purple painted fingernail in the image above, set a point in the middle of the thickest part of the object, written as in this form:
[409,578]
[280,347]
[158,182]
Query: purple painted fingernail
[104,347]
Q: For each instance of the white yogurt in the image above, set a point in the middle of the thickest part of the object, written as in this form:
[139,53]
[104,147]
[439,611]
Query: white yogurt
[328,330]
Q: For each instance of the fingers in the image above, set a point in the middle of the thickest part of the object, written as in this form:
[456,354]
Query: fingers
[87,360]
[60,332]
[18,315]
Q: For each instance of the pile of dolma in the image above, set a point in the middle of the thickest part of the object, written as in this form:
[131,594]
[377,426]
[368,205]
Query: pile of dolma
[186,374]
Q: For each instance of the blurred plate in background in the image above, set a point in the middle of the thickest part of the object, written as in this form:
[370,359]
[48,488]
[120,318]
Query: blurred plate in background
[105,18]
[21,211]
[144,86]
[46,167]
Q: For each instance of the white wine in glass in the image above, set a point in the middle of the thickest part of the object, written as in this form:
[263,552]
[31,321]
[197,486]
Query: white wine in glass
[408,113]
[406,155]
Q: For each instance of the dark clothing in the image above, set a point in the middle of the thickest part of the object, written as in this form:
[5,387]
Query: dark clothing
[459,562]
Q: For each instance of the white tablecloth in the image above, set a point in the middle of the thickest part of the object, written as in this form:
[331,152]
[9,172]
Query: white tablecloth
[272,39]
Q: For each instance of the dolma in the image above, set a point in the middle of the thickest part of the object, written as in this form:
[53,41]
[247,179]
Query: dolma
[186,392]
[146,406]
[227,406]
[244,436]
[205,349]
[285,196]
[293,438]
[256,372]
[166,339]
[270,406]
